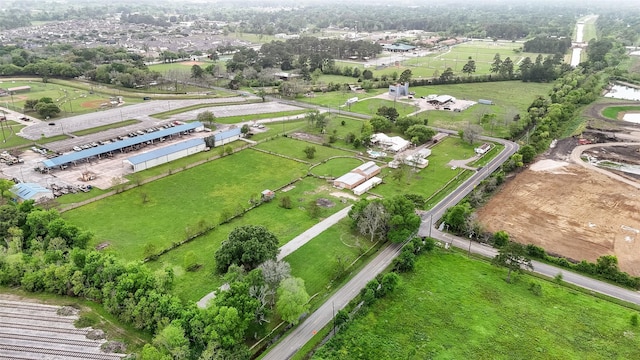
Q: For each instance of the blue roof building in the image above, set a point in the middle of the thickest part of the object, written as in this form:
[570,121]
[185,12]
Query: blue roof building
[126,144]
[166,154]
[31,191]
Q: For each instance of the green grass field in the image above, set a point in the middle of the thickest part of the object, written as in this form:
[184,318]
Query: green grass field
[70,99]
[612,112]
[295,148]
[284,223]
[161,212]
[509,97]
[482,52]
[317,261]
[428,180]
[452,307]
[242,118]
[336,167]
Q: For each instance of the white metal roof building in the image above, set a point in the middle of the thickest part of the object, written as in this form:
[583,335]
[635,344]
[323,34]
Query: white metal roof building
[367,185]
[368,169]
[166,154]
[31,191]
[349,180]
[226,137]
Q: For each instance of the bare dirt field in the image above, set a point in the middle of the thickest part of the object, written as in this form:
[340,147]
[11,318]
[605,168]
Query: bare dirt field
[571,210]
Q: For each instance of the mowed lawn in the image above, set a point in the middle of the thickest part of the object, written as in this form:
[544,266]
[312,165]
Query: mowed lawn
[452,307]
[430,179]
[509,97]
[336,167]
[284,223]
[71,101]
[295,149]
[162,212]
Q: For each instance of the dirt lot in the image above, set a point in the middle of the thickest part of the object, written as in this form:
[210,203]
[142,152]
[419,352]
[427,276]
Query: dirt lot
[571,210]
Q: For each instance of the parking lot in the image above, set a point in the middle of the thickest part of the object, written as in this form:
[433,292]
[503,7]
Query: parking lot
[104,170]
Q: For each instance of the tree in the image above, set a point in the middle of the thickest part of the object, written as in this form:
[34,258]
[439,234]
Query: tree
[47,109]
[247,246]
[528,153]
[456,217]
[310,151]
[172,340]
[245,129]
[500,238]
[403,221]
[471,133]
[447,75]
[380,124]
[470,67]
[496,66]
[419,134]
[317,119]
[388,112]
[373,220]
[292,300]
[367,74]
[197,72]
[405,76]
[513,256]
[206,117]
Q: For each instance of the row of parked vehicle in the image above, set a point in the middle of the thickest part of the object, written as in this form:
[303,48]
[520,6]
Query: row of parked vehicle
[129,135]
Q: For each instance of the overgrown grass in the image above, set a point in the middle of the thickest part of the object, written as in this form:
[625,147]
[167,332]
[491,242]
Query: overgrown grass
[106,127]
[452,307]
[165,211]
[284,223]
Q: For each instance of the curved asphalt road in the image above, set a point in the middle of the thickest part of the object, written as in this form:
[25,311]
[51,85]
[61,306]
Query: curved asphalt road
[321,317]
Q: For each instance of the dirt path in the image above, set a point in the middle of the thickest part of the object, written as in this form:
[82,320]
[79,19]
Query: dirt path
[577,151]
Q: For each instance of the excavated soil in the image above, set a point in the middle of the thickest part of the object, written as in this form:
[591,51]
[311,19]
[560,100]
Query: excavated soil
[571,211]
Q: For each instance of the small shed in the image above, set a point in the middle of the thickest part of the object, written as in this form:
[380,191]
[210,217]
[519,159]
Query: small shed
[482,149]
[267,195]
[31,191]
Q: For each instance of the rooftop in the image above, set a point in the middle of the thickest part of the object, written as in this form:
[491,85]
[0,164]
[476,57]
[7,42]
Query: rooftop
[103,149]
[27,191]
[174,148]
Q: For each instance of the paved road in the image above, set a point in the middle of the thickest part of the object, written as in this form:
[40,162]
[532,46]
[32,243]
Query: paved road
[545,269]
[99,118]
[312,232]
[321,317]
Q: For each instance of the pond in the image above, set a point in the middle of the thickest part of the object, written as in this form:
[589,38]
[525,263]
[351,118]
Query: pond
[623,92]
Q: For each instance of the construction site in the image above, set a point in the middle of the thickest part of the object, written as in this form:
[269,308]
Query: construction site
[580,199]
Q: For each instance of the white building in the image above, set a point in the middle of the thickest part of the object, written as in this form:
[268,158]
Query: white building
[367,185]
[395,143]
[166,154]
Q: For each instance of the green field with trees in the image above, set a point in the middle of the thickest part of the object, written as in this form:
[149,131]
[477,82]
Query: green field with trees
[452,307]
[142,213]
